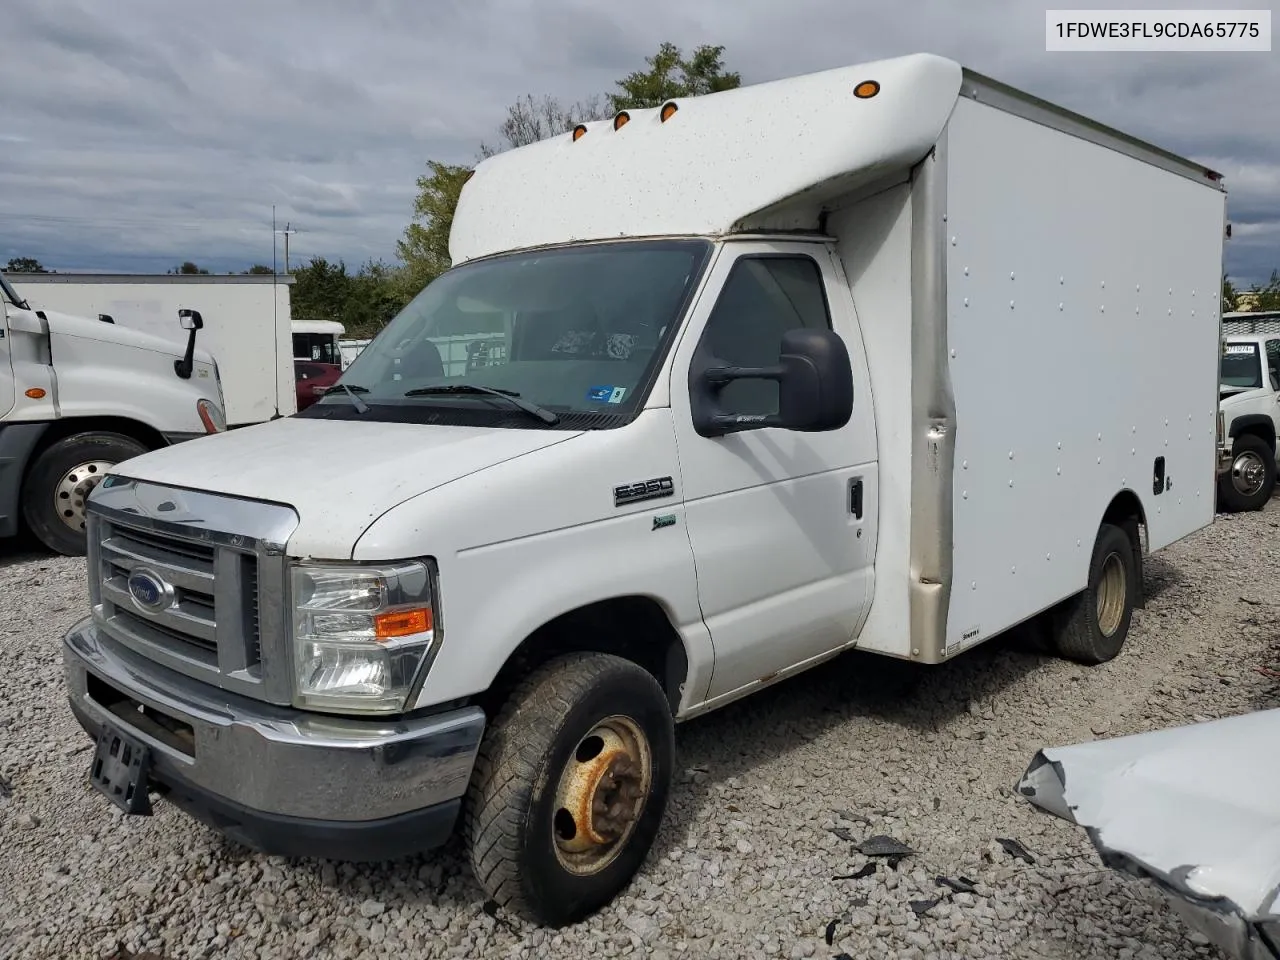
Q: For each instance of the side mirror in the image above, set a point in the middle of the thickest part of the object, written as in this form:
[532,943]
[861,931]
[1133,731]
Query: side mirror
[815,387]
[191,321]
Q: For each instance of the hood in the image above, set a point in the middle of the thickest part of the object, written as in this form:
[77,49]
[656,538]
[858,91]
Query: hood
[67,325]
[1190,808]
[339,475]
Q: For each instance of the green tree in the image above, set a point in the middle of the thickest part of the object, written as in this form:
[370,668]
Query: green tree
[1267,296]
[25,265]
[187,268]
[1229,295]
[258,270]
[374,295]
[320,290]
[424,249]
[671,75]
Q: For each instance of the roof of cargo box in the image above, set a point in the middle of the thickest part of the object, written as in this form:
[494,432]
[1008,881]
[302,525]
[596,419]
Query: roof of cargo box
[762,157]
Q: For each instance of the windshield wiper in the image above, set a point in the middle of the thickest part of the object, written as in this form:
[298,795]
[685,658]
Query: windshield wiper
[543,414]
[351,391]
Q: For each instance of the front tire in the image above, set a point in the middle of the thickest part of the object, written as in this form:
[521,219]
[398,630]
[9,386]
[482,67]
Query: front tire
[570,786]
[57,486]
[1091,627]
[1252,478]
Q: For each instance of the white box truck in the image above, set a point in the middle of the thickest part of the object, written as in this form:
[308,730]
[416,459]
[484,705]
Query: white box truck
[888,358]
[247,325]
[78,397]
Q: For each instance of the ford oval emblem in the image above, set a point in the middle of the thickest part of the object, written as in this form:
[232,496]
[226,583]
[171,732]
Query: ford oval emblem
[149,593]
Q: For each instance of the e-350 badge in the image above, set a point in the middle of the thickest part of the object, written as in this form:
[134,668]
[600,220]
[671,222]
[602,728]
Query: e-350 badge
[645,490]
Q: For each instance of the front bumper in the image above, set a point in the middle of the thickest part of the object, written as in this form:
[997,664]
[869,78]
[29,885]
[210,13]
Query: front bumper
[276,779]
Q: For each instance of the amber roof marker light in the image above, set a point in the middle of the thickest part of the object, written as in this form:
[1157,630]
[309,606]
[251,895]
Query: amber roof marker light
[668,111]
[866,89]
[579,130]
[621,120]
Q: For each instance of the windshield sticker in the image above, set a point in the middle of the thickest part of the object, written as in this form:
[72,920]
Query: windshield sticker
[606,394]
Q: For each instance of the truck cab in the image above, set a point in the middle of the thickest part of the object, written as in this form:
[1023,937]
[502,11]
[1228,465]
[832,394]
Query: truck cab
[1249,419]
[77,398]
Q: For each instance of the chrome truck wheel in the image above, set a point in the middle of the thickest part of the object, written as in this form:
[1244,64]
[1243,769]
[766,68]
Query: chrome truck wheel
[72,491]
[570,787]
[1249,483]
[59,480]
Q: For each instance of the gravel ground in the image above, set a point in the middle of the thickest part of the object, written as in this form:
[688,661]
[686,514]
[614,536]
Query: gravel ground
[757,857]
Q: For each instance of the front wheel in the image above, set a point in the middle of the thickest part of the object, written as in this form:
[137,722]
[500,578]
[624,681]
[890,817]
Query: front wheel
[57,486]
[570,787]
[1252,478]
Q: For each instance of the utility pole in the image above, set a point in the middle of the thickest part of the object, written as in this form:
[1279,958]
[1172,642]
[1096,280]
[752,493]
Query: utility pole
[287,234]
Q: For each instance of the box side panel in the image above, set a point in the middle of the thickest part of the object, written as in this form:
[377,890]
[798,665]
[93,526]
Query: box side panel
[1083,324]
[874,247]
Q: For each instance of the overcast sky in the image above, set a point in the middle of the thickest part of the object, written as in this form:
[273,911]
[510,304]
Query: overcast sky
[139,133]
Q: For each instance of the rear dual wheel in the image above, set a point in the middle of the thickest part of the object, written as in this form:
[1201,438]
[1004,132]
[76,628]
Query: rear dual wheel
[1252,478]
[1092,626]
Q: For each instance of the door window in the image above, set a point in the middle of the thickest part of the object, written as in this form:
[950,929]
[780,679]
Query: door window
[1273,362]
[762,299]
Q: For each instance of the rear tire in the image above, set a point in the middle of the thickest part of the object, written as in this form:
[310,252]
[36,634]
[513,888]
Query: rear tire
[1091,627]
[57,486]
[569,788]
[1252,477]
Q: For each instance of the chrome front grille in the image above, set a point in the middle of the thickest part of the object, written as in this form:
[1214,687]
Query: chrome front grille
[215,611]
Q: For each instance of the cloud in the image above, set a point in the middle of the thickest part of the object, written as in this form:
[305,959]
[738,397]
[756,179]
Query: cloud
[148,132]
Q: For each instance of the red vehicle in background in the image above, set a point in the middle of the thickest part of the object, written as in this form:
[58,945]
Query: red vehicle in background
[313,379]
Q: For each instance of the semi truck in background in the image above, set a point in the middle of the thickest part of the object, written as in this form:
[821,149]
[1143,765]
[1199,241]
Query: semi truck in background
[247,325]
[890,357]
[79,397]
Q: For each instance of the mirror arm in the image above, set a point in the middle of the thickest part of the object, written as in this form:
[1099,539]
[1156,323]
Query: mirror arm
[186,364]
[721,376]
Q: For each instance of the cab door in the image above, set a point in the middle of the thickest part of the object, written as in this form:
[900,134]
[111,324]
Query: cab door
[782,522]
[8,390]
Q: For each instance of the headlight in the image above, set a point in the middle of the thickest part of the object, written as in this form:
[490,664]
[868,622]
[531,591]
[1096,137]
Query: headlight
[211,416]
[1221,426]
[360,634]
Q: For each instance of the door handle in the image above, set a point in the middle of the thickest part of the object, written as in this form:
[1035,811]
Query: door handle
[855,497]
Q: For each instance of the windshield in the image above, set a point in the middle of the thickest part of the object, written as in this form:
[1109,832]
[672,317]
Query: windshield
[1241,366]
[576,333]
[11,294]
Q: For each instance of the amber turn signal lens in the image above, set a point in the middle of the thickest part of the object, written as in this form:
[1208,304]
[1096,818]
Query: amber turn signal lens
[668,111]
[866,89]
[402,623]
[621,120]
[579,130]
[35,393]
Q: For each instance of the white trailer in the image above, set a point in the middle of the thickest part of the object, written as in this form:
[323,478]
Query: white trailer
[890,357]
[247,325]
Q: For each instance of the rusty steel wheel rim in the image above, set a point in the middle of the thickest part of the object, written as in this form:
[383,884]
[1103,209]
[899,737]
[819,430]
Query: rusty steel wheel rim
[1112,587]
[601,795]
